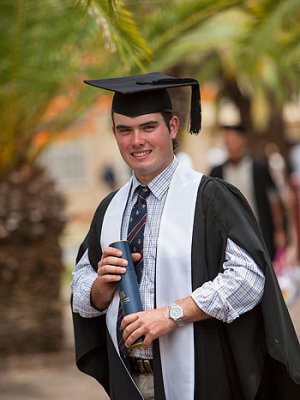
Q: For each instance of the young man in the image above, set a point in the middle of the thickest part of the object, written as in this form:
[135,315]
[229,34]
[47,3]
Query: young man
[254,180]
[214,324]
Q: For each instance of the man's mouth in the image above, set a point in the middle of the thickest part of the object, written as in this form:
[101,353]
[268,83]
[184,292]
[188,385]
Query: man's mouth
[141,153]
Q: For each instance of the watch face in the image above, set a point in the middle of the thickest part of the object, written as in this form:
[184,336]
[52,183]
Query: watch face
[176,312]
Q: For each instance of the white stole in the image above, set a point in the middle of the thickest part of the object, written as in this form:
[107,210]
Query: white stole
[173,275]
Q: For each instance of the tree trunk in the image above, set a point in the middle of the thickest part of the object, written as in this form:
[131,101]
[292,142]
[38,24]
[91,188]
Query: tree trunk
[31,221]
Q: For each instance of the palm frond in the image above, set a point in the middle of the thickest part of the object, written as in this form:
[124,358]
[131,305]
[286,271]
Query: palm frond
[120,32]
[43,50]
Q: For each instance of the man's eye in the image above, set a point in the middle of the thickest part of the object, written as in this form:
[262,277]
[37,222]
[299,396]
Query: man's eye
[123,131]
[148,128]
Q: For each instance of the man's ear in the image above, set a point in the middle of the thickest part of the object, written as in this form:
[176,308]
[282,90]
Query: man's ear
[113,128]
[174,126]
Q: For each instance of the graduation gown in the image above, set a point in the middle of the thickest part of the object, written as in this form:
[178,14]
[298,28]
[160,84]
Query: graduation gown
[255,357]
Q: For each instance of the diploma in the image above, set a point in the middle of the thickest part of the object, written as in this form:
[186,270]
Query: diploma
[128,286]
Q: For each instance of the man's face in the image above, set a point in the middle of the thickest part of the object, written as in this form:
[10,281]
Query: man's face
[236,145]
[145,143]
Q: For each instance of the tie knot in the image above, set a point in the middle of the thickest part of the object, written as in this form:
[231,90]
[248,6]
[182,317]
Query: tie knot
[143,191]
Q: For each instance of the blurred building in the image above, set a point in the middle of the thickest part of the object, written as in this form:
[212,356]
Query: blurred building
[77,160]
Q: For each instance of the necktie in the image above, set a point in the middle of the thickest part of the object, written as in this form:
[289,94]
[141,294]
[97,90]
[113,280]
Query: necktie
[135,237]
[136,227]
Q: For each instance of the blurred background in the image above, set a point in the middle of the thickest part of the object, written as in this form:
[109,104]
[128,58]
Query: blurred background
[58,158]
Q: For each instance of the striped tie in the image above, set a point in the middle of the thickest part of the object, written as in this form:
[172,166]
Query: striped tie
[123,349]
[136,227]
[135,237]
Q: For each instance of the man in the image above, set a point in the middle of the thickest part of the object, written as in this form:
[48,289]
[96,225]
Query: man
[214,324]
[253,179]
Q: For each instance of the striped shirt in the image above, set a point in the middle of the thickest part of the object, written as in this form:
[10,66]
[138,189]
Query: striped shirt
[233,292]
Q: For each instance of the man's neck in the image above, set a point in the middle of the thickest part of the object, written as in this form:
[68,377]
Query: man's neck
[236,161]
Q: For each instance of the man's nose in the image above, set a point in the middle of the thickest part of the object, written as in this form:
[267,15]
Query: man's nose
[137,138]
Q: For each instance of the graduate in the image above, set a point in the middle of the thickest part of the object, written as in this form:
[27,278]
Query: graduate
[214,325]
[253,178]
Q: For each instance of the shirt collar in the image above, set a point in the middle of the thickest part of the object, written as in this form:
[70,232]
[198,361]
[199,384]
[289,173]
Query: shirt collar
[160,183]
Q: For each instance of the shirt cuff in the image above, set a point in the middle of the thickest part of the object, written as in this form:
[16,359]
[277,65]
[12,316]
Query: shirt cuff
[82,300]
[209,300]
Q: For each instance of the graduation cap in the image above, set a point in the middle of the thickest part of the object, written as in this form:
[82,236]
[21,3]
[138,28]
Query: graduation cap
[146,94]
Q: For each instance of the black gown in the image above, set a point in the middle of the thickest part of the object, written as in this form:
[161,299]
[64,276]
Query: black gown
[255,357]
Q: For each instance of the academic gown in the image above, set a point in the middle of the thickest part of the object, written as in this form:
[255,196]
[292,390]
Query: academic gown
[255,357]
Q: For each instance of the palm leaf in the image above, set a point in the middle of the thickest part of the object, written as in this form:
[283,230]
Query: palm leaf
[120,32]
[45,47]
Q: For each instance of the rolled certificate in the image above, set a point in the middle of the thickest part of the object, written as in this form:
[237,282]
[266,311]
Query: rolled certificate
[128,287]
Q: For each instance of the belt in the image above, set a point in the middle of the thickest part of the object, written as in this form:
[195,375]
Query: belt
[140,365]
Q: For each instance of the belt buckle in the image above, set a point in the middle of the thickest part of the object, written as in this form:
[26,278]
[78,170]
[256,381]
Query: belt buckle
[141,367]
[147,366]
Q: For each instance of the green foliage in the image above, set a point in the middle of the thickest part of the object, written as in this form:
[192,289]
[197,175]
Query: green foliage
[47,48]
[120,32]
[42,49]
[254,43]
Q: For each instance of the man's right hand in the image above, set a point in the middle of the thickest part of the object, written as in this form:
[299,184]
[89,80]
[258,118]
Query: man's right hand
[110,268]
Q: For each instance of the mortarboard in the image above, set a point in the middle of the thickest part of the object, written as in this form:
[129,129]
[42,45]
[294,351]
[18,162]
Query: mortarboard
[145,94]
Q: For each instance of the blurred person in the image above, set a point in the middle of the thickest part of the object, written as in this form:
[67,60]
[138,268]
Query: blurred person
[277,166]
[294,158]
[254,180]
[280,174]
[214,324]
[286,258]
[109,177]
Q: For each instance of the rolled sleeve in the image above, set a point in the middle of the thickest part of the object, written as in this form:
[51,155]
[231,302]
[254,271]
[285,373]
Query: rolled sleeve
[83,278]
[236,290]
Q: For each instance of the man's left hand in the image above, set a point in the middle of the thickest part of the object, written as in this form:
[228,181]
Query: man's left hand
[150,324]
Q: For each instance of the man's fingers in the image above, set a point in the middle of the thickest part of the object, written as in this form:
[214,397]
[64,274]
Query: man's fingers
[133,337]
[131,329]
[111,251]
[113,261]
[111,268]
[129,319]
[112,265]
[136,257]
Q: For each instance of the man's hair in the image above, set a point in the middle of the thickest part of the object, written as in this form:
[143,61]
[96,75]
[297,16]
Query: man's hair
[238,128]
[167,116]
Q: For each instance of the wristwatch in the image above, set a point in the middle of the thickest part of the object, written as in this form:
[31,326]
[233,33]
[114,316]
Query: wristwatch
[175,312]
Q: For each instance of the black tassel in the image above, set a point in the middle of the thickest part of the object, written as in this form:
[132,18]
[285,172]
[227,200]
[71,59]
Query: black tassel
[195,117]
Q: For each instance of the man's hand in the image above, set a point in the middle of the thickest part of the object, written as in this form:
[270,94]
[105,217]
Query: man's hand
[155,323]
[110,268]
[150,324]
